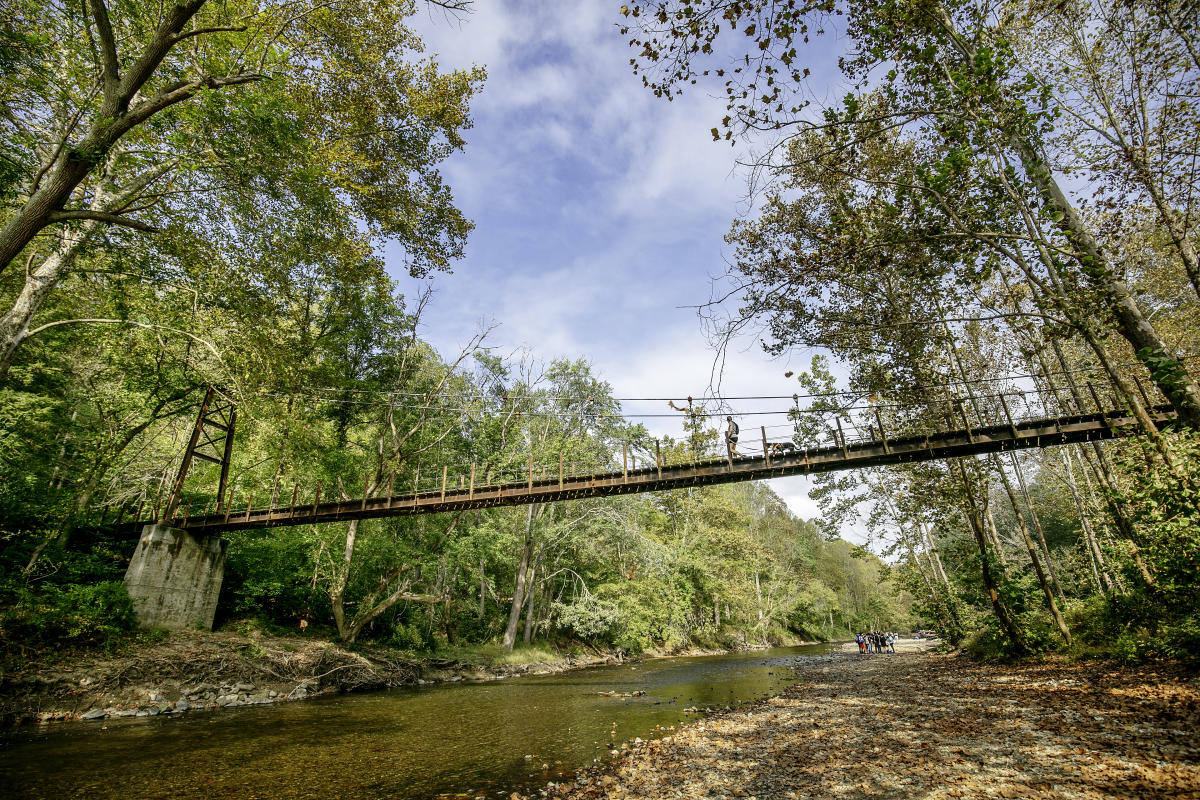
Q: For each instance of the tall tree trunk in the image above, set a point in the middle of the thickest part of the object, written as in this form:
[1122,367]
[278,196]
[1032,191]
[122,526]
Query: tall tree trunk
[482,587]
[1033,556]
[1168,372]
[337,593]
[518,600]
[975,521]
[1084,472]
[1037,525]
[39,283]
[1103,581]
[1166,369]
[995,536]
[933,553]
[1116,510]
[531,603]
[758,595]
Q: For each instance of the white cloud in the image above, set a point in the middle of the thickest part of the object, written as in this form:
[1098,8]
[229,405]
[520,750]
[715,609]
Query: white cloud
[600,212]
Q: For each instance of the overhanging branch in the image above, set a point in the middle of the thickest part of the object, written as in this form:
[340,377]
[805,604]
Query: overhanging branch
[101,216]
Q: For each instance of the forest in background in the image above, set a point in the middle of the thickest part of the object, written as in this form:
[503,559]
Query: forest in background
[725,566]
[183,211]
[1006,191]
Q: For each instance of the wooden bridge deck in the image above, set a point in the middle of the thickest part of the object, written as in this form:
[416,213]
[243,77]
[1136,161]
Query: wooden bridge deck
[945,444]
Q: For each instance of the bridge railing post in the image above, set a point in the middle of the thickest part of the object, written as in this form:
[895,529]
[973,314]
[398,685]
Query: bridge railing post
[1099,408]
[1008,415]
[962,412]
[882,433]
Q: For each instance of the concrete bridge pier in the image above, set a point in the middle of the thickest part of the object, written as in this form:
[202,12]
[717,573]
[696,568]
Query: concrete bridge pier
[175,578]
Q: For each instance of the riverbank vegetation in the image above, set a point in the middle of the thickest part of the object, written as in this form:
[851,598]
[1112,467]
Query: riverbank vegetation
[1004,199]
[712,567]
[183,211]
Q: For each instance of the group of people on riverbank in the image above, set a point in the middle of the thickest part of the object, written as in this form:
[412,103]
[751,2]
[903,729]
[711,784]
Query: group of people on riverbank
[875,642]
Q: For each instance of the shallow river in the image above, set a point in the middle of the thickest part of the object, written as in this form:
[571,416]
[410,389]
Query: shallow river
[477,739]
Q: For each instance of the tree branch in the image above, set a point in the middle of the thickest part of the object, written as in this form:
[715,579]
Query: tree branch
[145,325]
[101,216]
[108,49]
[152,56]
[178,92]
[203,31]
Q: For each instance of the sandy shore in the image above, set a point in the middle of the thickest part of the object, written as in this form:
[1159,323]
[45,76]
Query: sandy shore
[921,725]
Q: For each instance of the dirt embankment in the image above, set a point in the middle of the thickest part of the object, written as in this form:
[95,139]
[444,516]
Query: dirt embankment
[919,725]
[196,671]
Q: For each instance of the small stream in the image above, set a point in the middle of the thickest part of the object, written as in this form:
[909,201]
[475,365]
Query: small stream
[474,739]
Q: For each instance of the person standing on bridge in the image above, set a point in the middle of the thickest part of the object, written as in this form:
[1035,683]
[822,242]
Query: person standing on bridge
[731,437]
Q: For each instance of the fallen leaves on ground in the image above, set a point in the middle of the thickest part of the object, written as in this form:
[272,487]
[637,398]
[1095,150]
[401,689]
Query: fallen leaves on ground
[929,726]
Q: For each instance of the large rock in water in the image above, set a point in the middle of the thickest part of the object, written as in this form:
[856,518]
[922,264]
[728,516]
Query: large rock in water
[174,578]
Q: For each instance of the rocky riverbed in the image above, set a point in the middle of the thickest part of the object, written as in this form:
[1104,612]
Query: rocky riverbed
[917,724]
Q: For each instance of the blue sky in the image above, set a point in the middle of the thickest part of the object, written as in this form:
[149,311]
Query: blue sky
[599,212]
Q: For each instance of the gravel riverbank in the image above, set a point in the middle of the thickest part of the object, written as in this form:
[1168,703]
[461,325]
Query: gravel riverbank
[921,725]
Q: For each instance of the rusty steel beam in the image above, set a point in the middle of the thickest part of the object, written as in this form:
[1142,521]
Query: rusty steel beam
[1039,433]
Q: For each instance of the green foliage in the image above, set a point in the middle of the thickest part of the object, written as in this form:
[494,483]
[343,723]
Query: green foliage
[271,577]
[587,618]
[412,637]
[92,615]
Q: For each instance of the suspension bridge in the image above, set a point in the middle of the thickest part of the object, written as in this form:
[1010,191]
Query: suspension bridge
[850,437]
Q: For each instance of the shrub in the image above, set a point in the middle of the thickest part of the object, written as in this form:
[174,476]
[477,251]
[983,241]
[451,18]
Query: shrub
[587,618]
[81,615]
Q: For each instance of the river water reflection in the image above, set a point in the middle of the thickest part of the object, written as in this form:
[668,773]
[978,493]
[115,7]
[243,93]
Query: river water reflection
[477,739]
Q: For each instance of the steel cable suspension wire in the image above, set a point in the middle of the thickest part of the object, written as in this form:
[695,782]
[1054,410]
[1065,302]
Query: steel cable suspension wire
[713,398]
[599,415]
[856,429]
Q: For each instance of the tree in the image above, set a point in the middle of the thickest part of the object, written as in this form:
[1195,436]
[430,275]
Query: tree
[201,121]
[949,81]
